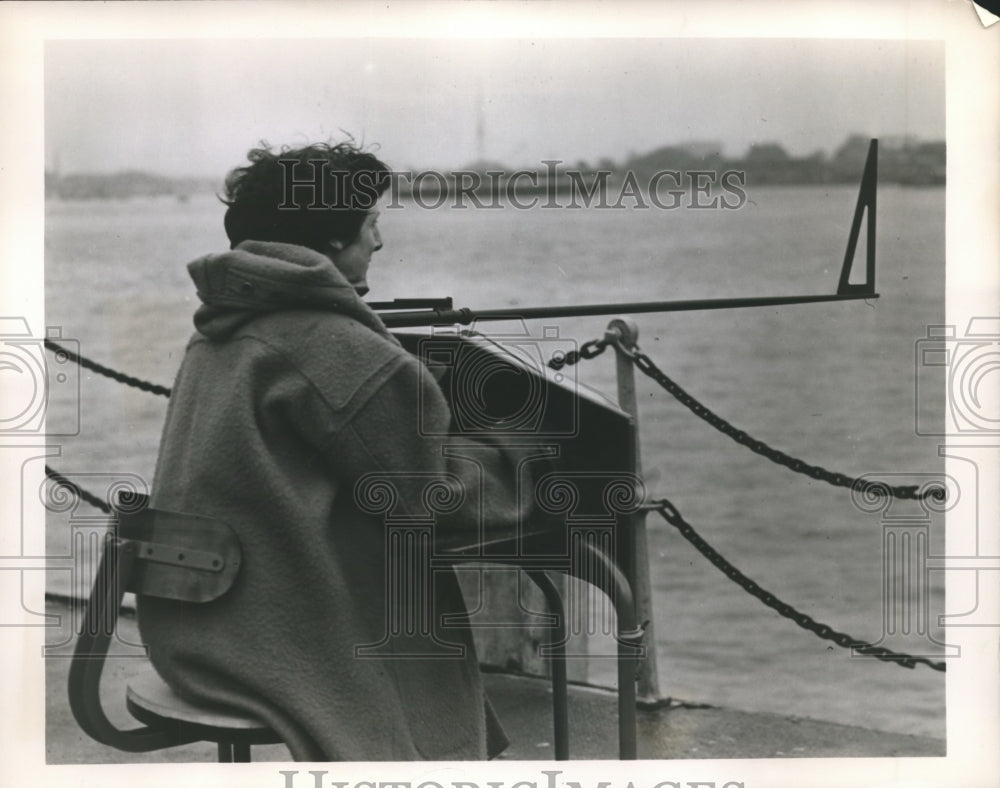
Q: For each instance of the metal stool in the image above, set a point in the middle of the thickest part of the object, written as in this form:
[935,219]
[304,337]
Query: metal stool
[170,556]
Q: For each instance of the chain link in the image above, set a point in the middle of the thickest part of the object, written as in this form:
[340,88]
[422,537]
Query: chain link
[100,369]
[669,513]
[648,367]
[77,490]
[587,350]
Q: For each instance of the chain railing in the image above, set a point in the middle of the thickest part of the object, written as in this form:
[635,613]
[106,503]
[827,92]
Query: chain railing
[100,369]
[113,374]
[670,513]
[667,510]
[649,368]
[81,493]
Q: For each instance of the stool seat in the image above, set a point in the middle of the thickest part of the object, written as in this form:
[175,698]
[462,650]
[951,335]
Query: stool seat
[151,700]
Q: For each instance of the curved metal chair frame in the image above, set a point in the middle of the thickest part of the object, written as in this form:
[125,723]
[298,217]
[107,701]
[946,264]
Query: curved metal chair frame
[196,560]
[171,556]
[609,579]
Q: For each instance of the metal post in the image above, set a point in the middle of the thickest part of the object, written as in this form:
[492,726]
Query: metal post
[556,652]
[241,752]
[626,333]
[614,583]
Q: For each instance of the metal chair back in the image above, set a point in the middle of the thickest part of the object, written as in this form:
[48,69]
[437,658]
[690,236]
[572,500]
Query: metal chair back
[153,553]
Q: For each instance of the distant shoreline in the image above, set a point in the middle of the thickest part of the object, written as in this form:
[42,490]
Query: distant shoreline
[103,193]
[905,161]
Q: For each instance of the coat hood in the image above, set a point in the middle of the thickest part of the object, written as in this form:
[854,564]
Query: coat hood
[258,277]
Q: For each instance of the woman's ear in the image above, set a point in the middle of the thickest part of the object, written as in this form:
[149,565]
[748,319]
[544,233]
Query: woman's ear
[337,246]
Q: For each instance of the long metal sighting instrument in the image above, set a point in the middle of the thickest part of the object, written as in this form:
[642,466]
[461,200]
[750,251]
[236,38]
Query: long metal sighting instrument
[410,312]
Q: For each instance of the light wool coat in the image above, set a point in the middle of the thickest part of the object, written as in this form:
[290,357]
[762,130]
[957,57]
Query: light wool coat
[292,390]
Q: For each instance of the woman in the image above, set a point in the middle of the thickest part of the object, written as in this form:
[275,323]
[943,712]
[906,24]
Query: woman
[291,398]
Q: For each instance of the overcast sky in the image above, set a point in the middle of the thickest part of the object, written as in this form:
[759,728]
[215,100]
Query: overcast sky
[196,106]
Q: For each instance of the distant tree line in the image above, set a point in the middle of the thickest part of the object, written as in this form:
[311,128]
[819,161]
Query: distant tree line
[903,160]
[125,185]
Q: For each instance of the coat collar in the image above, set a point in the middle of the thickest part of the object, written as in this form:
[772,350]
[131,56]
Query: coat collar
[258,277]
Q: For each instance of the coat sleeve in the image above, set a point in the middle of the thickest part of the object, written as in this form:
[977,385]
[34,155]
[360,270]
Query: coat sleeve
[397,452]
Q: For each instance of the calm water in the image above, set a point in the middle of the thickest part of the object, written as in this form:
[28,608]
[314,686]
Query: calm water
[830,383]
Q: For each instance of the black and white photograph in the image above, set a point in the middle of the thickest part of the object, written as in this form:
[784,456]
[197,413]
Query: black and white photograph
[482,394]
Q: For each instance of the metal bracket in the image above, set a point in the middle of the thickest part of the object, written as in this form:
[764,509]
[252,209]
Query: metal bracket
[182,557]
[623,333]
[866,202]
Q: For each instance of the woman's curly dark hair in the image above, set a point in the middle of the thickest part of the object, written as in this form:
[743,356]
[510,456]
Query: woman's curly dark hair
[307,196]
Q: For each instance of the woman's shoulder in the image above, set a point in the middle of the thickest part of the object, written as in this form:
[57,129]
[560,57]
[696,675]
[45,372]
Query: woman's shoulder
[337,354]
[298,332]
